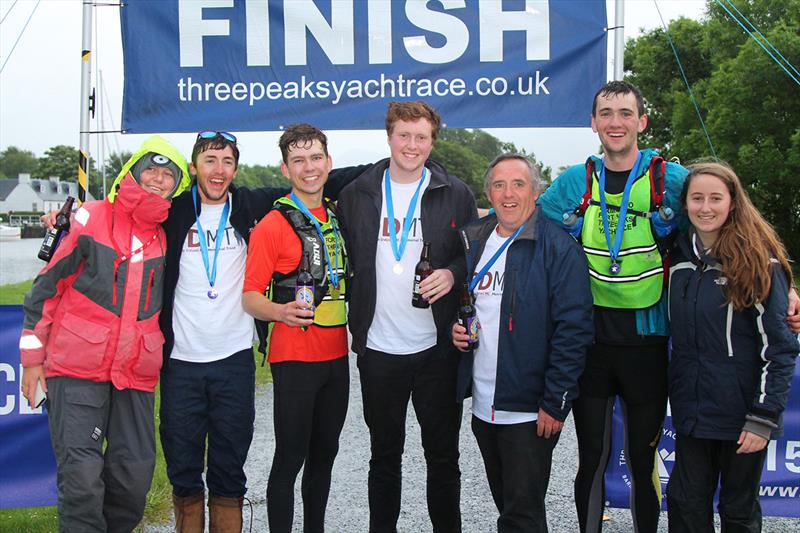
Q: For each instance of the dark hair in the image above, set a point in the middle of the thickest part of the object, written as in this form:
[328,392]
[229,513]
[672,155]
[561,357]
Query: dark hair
[746,241]
[411,112]
[301,134]
[614,88]
[214,143]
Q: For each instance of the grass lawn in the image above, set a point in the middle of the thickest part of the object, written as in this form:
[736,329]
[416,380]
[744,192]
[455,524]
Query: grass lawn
[159,502]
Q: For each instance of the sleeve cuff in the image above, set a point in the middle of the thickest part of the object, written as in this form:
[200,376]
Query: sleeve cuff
[758,425]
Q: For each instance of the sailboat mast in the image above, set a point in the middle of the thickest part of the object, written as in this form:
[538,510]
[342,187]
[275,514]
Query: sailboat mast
[86,64]
[619,39]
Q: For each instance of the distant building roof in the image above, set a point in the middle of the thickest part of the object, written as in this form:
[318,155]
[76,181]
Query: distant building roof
[6,186]
[54,190]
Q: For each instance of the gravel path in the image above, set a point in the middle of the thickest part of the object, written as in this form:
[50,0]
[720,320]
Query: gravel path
[347,507]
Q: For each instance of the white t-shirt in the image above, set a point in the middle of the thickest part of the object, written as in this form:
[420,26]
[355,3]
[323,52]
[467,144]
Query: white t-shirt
[209,330]
[488,296]
[398,327]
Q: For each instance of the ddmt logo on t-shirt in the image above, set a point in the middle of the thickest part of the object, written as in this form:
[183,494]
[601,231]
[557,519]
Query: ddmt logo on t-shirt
[230,237]
[414,230]
[492,283]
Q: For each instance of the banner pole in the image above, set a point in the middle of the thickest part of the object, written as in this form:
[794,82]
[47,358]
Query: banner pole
[86,63]
[619,39]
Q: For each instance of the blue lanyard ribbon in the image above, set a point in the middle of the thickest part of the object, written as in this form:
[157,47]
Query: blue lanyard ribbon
[475,279]
[613,251]
[332,273]
[201,235]
[398,250]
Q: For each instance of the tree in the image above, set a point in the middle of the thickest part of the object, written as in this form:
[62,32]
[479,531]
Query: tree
[115,162]
[14,161]
[62,161]
[467,154]
[750,106]
[254,176]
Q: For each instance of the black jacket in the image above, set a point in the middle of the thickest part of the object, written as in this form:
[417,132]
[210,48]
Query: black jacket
[545,318]
[729,369]
[446,205]
[248,206]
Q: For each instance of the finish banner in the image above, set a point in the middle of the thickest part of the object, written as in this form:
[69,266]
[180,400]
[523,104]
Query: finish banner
[259,65]
[27,465]
[780,479]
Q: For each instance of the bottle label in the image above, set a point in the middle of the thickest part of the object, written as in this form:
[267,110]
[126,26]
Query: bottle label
[472,326]
[417,281]
[305,293]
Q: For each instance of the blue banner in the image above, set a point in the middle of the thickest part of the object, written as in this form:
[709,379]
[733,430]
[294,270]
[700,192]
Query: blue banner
[27,465]
[780,479]
[259,65]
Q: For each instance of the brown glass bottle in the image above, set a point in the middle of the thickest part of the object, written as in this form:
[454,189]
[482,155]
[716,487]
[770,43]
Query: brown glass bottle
[468,318]
[54,234]
[421,271]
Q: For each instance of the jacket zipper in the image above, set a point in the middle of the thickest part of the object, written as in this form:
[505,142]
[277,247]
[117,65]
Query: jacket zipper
[149,289]
[513,300]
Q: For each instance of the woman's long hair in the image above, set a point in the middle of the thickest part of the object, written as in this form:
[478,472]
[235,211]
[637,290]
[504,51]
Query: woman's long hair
[746,241]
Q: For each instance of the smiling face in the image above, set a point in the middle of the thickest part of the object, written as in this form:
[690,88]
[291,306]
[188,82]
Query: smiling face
[512,195]
[307,167]
[410,144]
[215,170]
[708,203]
[617,122]
[158,180]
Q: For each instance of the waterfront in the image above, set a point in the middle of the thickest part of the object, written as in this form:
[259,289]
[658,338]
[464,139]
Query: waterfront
[18,261]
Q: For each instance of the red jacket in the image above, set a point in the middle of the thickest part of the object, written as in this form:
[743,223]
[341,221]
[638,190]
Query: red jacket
[92,312]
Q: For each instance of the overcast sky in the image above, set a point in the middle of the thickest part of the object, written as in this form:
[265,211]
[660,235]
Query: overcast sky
[40,88]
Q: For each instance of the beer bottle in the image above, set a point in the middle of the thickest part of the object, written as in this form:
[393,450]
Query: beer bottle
[467,318]
[421,271]
[54,234]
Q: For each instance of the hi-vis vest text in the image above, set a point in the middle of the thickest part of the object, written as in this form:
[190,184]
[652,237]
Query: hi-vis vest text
[330,308]
[641,276]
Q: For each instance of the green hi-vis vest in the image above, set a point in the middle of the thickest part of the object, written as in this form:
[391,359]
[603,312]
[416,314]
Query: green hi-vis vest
[329,301]
[641,277]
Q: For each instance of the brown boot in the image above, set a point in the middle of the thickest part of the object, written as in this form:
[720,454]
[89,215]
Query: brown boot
[225,514]
[190,513]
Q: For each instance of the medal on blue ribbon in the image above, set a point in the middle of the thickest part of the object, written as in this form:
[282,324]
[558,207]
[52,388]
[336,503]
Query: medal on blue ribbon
[398,250]
[613,249]
[211,274]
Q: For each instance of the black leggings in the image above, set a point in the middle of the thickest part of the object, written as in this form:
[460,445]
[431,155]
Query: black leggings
[310,408]
[638,376]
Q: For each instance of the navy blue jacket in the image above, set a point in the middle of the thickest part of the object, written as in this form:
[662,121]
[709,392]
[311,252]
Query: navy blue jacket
[545,319]
[726,365]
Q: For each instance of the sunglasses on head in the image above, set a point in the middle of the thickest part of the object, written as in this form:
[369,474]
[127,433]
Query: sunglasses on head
[214,134]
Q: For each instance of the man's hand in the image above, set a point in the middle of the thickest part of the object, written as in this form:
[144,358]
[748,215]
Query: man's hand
[295,313]
[31,376]
[437,284]
[750,443]
[546,425]
[48,220]
[793,317]
[460,337]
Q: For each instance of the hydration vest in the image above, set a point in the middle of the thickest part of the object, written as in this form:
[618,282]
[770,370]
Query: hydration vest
[640,280]
[329,301]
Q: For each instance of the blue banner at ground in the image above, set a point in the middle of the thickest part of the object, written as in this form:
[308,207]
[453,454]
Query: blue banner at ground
[27,465]
[780,479]
[259,65]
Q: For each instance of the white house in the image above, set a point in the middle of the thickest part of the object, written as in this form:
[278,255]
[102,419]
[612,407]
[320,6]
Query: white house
[43,196]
